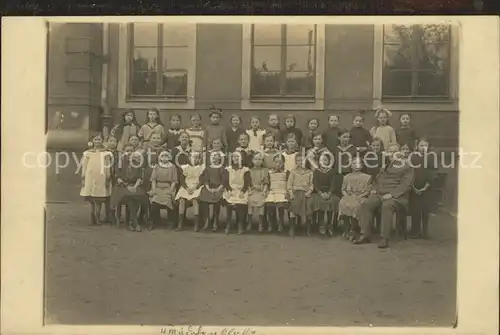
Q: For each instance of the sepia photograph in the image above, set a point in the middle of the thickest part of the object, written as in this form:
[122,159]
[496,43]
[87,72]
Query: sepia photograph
[251,174]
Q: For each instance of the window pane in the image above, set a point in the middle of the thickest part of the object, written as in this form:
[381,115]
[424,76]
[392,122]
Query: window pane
[145,59]
[300,83]
[175,83]
[177,35]
[143,83]
[265,83]
[145,34]
[434,56]
[175,58]
[300,34]
[267,58]
[397,34]
[397,56]
[267,34]
[300,59]
[396,83]
[433,83]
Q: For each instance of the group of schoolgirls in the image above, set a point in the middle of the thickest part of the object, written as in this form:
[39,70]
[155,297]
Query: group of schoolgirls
[256,173]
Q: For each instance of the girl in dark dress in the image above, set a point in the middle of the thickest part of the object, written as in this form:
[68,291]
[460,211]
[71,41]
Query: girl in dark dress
[164,180]
[291,130]
[172,134]
[421,193]
[215,130]
[274,129]
[245,152]
[331,135]
[130,176]
[210,199]
[111,146]
[360,137]
[324,199]
[405,134]
[312,130]
[233,133]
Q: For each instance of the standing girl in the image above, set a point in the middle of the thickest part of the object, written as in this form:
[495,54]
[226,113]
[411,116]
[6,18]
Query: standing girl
[405,134]
[111,144]
[190,189]
[164,179]
[259,176]
[312,130]
[236,192]
[291,131]
[355,189]
[332,134]
[269,150]
[233,133]
[290,154]
[383,130]
[276,199]
[96,178]
[273,128]
[212,179]
[215,130]
[421,192]
[255,135]
[360,137]
[324,199]
[196,133]
[127,127]
[300,187]
[153,126]
[172,134]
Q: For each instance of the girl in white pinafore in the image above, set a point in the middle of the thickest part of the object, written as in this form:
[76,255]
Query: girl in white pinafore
[190,188]
[236,193]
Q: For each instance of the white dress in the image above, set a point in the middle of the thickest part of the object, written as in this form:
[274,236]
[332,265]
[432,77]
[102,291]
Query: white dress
[192,175]
[96,169]
[256,142]
[277,189]
[236,182]
[290,161]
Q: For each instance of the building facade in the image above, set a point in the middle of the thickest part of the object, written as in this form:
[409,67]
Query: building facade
[96,71]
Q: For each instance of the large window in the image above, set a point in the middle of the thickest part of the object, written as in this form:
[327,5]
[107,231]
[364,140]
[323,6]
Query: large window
[159,60]
[283,61]
[416,62]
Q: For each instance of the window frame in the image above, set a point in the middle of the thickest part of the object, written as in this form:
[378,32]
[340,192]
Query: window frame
[290,102]
[125,56]
[283,71]
[440,103]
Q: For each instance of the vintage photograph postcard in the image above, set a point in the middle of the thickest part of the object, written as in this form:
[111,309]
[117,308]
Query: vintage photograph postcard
[250,175]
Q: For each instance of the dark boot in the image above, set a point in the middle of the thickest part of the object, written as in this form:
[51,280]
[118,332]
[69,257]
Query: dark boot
[292,226]
[249,222]
[180,223]
[261,223]
[229,219]
[308,227]
[384,243]
[196,227]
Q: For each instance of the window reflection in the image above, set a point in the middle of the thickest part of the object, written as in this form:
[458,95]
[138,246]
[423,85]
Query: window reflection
[416,61]
[152,42]
[283,60]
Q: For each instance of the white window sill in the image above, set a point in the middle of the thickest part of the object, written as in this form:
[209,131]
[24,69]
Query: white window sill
[418,105]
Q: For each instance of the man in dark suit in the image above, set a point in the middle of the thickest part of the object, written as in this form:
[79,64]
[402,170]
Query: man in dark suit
[390,191]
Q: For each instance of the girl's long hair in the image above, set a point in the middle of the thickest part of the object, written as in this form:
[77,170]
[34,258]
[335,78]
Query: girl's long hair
[157,111]
[121,124]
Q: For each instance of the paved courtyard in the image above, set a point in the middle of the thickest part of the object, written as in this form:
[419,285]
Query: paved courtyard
[102,275]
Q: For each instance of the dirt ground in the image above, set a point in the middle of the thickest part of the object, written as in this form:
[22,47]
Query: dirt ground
[101,275]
